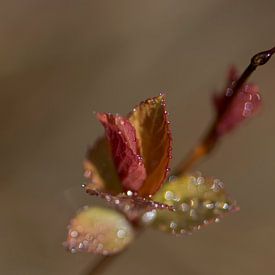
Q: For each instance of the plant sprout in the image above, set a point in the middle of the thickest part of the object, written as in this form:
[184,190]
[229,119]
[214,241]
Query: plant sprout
[129,168]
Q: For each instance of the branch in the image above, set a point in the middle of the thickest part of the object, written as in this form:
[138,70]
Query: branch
[211,138]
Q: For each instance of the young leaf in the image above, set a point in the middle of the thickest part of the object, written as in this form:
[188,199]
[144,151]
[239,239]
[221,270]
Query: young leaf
[244,105]
[100,231]
[125,152]
[198,201]
[153,135]
[99,168]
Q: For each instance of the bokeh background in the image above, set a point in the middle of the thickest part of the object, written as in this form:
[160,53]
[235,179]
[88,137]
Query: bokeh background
[62,60]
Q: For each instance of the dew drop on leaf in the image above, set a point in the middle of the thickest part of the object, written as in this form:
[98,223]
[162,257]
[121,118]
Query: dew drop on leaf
[197,201]
[100,231]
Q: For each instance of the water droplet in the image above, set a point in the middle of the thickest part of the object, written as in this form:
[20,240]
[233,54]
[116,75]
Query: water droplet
[182,231]
[74,234]
[134,110]
[129,193]
[172,178]
[173,225]
[83,185]
[217,185]
[99,247]
[121,233]
[87,173]
[208,204]
[194,203]
[139,157]
[200,180]
[229,92]
[248,107]
[73,250]
[176,198]
[149,216]
[86,243]
[225,206]
[108,198]
[169,195]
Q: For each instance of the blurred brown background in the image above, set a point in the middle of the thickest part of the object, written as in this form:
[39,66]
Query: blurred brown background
[62,60]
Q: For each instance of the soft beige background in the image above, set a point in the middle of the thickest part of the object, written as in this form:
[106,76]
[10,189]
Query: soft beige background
[62,60]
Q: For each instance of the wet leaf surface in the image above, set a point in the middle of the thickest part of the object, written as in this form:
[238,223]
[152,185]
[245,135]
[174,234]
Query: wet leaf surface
[198,201]
[243,106]
[100,231]
[125,151]
[153,135]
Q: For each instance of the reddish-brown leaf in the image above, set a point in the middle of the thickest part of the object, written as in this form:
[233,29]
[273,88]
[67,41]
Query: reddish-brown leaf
[153,135]
[125,152]
[244,105]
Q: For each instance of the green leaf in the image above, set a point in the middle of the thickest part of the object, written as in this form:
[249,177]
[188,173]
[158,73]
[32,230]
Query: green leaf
[100,231]
[198,201]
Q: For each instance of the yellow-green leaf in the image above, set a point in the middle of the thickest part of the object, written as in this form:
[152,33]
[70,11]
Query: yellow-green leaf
[100,231]
[198,201]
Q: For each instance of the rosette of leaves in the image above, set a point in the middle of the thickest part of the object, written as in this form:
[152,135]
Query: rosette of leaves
[128,168]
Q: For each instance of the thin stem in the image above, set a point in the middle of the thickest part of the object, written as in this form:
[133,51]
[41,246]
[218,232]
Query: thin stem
[105,261]
[210,139]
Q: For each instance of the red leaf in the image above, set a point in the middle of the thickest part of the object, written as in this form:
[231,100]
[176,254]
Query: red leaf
[122,139]
[244,105]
